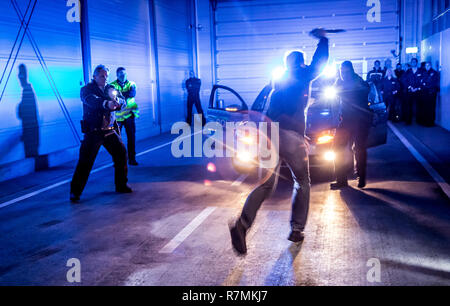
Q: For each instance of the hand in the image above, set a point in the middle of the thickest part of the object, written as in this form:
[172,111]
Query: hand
[112,105]
[318,33]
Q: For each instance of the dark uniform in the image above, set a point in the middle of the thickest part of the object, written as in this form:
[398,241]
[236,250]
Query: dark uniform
[390,89]
[412,86]
[356,119]
[430,84]
[375,76]
[193,87]
[100,128]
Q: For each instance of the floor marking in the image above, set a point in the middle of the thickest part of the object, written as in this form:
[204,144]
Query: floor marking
[32,194]
[239,180]
[187,230]
[436,176]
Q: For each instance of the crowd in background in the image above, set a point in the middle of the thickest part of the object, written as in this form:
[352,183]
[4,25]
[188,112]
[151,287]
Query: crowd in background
[407,93]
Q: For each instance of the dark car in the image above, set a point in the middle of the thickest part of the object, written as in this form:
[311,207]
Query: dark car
[226,105]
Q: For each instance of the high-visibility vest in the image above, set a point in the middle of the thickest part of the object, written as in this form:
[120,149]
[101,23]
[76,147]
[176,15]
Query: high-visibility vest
[131,107]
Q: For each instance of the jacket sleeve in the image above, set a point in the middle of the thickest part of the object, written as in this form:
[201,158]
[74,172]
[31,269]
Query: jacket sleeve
[132,92]
[320,58]
[91,100]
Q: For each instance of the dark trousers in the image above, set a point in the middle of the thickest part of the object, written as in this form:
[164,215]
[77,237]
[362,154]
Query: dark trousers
[294,153]
[394,107]
[130,129]
[354,135]
[194,100]
[410,103]
[427,109]
[88,152]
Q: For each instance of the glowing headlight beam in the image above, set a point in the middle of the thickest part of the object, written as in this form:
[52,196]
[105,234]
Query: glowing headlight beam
[278,73]
[330,71]
[330,93]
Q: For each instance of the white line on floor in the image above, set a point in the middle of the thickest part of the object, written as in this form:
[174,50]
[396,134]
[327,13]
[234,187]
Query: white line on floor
[239,180]
[32,194]
[187,230]
[439,180]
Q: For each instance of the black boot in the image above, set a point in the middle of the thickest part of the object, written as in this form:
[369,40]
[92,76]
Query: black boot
[238,233]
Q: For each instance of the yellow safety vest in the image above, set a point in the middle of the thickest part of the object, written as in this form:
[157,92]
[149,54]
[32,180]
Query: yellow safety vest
[131,107]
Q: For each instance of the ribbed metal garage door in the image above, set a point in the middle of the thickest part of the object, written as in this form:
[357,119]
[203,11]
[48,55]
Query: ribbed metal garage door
[32,121]
[120,36]
[174,57]
[252,37]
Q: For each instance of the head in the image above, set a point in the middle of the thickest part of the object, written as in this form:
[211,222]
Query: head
[399,66]
[191,74]
[388,63]
[23,75]
[428,66]
[414,63]
[377,64]
[101,75]
[121,74]
[294,60]
[347,71]
[390,73]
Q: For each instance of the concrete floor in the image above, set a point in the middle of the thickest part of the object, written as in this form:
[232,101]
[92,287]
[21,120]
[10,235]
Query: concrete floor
[401,218]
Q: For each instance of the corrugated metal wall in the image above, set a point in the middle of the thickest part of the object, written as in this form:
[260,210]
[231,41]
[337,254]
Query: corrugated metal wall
[120,36]
[174,42]
[253,36]
[31,119]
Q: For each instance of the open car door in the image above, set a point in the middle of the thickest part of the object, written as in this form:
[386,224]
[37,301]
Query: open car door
[225,105]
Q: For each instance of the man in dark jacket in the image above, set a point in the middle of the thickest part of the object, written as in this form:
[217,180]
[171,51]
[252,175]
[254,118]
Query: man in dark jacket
[412,86]
[99,126]
[376,75]
[288,103]
[193,85]
[430,84]
[356,119]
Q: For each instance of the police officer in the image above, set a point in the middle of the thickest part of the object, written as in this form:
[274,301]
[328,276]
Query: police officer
[356,119]
[376,74]
[193,88]
[390,89]
[412,86]
[287,106]
[399,71]
[430,84]
[126,117]
[99,126]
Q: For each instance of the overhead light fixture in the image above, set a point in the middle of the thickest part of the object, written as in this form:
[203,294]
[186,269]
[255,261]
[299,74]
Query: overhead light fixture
[412,50]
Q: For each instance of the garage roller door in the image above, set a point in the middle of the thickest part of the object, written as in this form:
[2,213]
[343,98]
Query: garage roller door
[252,37]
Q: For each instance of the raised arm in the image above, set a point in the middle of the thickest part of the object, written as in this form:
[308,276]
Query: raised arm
[320,57]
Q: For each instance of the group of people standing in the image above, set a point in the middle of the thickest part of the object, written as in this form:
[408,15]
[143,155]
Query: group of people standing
[407,93]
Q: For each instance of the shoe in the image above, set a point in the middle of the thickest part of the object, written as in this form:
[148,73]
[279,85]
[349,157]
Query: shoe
[338,185]
[361,183]
[296,236]
[74,198]
[124,189]
[238,232]
[133,162]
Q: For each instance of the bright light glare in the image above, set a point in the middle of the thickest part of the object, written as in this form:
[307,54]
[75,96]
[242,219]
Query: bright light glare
[330,92]
[247,140]
[211,167]
[329,156]
[324,139]
[330,71]
[412,50]
[244,156]
[278,73]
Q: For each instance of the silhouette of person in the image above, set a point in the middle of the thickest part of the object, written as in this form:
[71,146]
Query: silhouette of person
[27,112]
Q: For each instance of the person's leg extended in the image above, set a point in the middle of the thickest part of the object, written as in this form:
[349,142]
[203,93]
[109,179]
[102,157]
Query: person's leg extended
[361,135]
[257,197]
[130,128]
[88,152]
[116,148]
[340,144]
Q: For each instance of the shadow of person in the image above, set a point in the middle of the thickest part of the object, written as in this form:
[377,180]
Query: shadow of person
[282,273]
[27,112]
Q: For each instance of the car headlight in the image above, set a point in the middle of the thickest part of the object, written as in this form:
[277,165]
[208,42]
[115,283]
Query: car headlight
[325,139]
[330,92]
[329,156]
[244,156]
